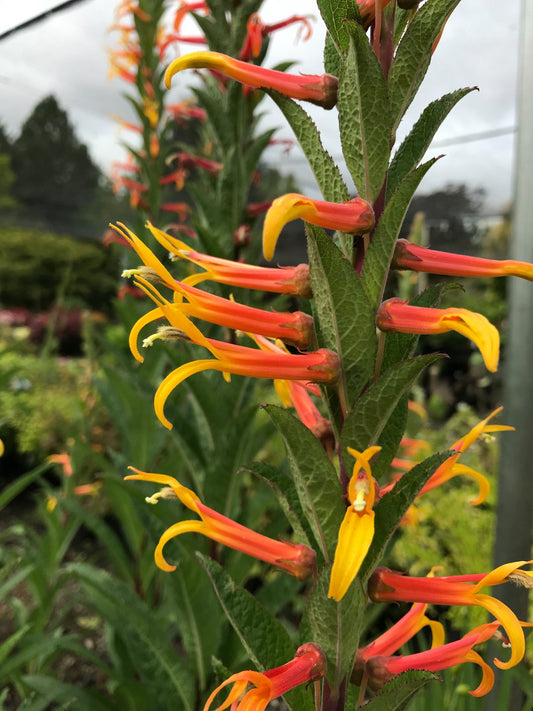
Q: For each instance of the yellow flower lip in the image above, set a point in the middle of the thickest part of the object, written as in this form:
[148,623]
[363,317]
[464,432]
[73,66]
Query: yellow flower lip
[355,217]
[397,316]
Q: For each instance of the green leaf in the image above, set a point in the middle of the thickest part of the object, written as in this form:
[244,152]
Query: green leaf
[415,145]
[334,14]
[397,693]
[314,477]
[413,55]
[390,438]
[336,626]
[283,488]
[379,254]
[364,116]
[69,694]
[393,506]
[327,174]
[332,57]
[265,640]
[373,409]
[346,319]
[12,490]
[165,674]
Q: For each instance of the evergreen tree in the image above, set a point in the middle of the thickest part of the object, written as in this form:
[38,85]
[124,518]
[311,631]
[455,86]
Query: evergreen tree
[54,174]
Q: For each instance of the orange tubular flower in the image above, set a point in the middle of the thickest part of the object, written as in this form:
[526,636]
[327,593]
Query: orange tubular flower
[396,316]
[320,90]
[294,327]
[355,217]
[357,529]
[452,467]
[367,10]
[296,559]
[420,259]
[308,665]
[386,585]
[281,280]
[382,668]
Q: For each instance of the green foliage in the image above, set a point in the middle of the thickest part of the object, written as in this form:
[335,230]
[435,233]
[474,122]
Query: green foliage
[39,268]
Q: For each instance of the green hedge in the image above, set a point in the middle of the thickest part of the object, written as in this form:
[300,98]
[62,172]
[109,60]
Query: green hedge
[38,268]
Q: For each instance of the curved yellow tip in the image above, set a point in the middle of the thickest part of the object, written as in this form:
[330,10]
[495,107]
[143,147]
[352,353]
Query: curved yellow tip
[197,60]
[284,209]
[479,330]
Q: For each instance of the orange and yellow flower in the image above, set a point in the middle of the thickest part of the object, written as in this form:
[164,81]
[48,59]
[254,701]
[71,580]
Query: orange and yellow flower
[308,665]
[421,259]
[295,558]
[397,316]
[357,529]
[321,90]
[387,586]
[355,216]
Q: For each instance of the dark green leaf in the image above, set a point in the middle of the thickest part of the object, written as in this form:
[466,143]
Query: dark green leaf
[397,693]
[12,490]
[327,174]
[314,477]
[346,319]
[415,145]
[336,626]
[332,57]
[379,254]
[373,409]
[413,55]
[266,641]
[334,14]
[390,437]
[285,492]
[393,506]
[71,695]
[165,674]
[364,118]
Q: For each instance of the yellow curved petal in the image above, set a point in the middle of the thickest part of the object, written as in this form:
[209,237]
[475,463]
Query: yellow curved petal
[500,574]
[240,682]
[176,377]
[459,469]
[510,623]
[146,254]
[355,536]
[197,60]
[437,632]
[284,209]
[479,330]
[282,390]
[152,315]
[176,530]
[487,680]
[187,496]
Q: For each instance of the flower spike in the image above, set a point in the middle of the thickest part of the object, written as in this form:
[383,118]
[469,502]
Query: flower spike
[421,259]
[357,529]
[308,665]
[321,90]
[386,585]
[295,558]
[396,316]
[355,217]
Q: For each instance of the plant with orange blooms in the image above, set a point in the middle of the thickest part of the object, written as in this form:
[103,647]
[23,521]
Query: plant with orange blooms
[344,359]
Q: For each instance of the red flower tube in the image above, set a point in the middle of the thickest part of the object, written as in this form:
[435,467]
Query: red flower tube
[321,90]
[420,259]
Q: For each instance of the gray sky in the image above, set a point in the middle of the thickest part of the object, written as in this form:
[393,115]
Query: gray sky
[65,55]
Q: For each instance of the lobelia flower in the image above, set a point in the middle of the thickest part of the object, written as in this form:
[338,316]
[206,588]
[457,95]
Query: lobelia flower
[382,668]
[387,586]
[293,393]
[420,259]
[295,327]
[308,665]
[321,366]
[357,529]
[296,559]
[256,30]
[280,280]
[355,216]
[397,316]
[320,90]
[367,10]
[452,467]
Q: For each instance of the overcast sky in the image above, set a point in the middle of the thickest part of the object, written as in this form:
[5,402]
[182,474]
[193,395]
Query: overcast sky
[66,55]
